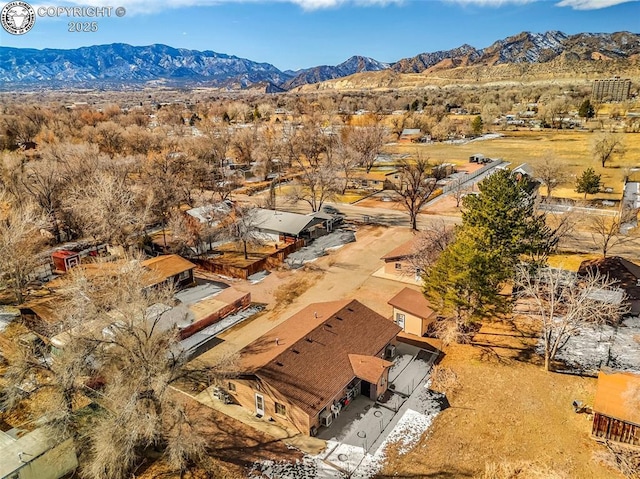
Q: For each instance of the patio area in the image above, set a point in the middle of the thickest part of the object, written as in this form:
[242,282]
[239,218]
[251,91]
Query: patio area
[365,424]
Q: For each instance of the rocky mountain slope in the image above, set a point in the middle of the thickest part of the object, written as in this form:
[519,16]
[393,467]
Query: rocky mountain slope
[355,64]
[529,47]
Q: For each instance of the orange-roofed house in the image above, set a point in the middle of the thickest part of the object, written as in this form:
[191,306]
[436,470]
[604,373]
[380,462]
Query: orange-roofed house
[170,268]
[616,408]
[412,312]
[305,370]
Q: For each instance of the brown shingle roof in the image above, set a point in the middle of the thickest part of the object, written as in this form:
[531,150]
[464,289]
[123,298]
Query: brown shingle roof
[616,268]
[369,368]
[618,396]
[309,364]
[401,252]
[413,302]
[166,266]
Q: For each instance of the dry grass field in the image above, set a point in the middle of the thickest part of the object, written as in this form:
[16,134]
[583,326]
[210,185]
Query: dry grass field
[505,409]
[569,147]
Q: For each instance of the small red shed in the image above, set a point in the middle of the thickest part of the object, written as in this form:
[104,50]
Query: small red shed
[64,260]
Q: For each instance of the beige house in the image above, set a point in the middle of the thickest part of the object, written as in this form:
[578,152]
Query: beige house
[399,264]
[303,372]
[412,312]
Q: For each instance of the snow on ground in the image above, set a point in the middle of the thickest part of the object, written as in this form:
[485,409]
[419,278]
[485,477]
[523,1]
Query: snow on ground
[602,345]
[257,277]
[353,461]
[319,247]
[310,467]
[488,136]
[404,435]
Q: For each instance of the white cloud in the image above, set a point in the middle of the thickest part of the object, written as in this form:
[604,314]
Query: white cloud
[490,3]
[575,4]
[154,6]
[591,4]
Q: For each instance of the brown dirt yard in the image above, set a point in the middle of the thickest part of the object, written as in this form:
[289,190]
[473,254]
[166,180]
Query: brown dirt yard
[343,273]
[505,408]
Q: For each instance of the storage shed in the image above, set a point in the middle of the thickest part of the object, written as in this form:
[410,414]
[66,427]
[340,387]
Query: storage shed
[64,260]
[616,408]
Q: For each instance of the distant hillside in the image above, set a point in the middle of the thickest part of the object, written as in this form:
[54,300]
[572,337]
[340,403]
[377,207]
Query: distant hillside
[125,63]
[529,48]
[526,55]
[355,64]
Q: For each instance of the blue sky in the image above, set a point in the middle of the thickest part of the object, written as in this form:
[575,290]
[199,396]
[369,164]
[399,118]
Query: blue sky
[294,34]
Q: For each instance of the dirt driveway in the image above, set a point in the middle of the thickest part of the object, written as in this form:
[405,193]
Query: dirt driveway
[344,273]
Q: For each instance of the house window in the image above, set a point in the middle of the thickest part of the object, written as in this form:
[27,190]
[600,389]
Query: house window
[231,386]
[398,265]
[400,320]
[281,409]
[184,275]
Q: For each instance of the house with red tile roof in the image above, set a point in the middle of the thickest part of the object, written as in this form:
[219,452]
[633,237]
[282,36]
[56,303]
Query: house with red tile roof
[305,370]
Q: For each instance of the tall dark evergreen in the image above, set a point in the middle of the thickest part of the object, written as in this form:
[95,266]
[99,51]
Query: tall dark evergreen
[500,227]
[586,109]
[588,182]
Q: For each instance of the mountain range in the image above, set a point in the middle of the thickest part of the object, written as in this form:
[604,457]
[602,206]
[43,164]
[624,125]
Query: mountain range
[121,64]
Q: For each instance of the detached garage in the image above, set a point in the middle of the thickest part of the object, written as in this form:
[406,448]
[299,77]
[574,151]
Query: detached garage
[412,312]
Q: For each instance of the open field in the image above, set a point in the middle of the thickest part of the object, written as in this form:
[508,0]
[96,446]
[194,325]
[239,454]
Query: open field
[569,147]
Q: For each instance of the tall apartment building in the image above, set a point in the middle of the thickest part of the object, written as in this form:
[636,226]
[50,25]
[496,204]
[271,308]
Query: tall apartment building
[613,89]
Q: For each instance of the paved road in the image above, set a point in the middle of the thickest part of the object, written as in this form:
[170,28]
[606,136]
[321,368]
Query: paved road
[356,213]
[577,209]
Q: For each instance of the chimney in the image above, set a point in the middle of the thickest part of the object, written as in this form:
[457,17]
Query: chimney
[315,314]
[277,341]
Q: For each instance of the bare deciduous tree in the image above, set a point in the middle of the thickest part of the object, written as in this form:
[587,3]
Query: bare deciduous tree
[365,143]
[415,187]
[244,228]
[317,181]
[119,349]
[459,189]
[20,241]
[108,207]
[551,174]
[44,182]
[605,231]
[430,243]
[561,303]
[606,147]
